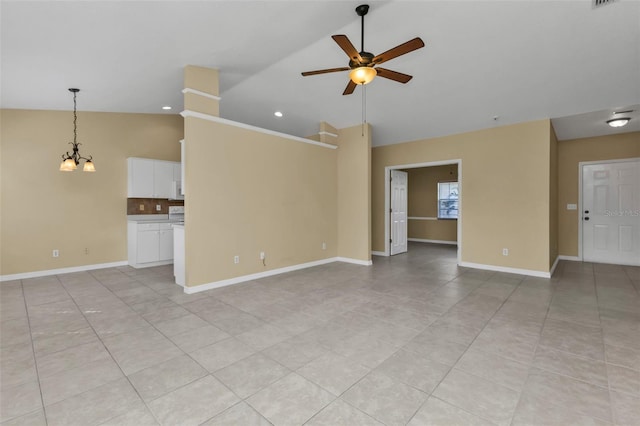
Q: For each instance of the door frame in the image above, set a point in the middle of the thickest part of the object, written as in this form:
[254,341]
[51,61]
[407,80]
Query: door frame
[581,164]
[387,200]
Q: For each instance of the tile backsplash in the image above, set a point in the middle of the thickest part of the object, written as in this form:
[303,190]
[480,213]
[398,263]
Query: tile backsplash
[149,205]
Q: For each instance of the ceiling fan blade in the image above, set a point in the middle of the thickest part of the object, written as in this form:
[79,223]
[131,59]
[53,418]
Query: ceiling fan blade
[399,50]
[393,75]
[350,88]
[347,46]
[307,73]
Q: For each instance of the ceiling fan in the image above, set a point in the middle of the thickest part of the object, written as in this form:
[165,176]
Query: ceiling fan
[361,64]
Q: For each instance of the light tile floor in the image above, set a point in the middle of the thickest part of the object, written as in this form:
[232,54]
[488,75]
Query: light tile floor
[413,339]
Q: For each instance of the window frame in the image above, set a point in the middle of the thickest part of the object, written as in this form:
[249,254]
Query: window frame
[454,200]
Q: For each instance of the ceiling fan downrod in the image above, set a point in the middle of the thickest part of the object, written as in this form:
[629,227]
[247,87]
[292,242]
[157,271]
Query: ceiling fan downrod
[362,10]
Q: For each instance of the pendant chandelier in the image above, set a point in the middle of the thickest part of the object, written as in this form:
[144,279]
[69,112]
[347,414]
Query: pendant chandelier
[70,161]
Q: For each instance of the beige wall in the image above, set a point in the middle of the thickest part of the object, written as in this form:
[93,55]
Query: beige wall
[553,197]
[505,191]
[203,80]
[354,192]
[250,192]
[572,152]
[44,209]
[423,202]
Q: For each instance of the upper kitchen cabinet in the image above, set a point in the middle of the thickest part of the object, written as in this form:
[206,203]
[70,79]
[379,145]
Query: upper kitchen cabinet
[151,178]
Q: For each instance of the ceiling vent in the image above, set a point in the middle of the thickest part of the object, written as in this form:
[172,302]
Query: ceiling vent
[599,3]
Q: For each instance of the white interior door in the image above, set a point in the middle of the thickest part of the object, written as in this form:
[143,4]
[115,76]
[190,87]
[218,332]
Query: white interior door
[611,212]
[399,206]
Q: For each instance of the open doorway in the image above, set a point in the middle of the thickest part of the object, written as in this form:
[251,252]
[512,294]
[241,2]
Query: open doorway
[433,212]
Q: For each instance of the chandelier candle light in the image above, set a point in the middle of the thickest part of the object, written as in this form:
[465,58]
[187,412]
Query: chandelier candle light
[70,161]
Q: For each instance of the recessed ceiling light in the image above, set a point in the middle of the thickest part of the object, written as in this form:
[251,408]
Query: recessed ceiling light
[618,122]
[166,107]
[277,114]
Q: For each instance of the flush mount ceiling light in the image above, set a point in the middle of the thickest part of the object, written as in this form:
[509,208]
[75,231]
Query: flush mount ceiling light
[70,161]
[167,107]
[277,114]
[618,122]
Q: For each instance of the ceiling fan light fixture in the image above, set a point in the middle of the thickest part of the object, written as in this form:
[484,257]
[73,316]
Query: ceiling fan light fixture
[363,75]
[618,122]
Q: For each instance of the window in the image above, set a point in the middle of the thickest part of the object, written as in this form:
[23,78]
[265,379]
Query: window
[448,200]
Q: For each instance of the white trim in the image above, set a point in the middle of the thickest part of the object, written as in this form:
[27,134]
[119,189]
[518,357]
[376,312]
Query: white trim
[421,218]
[354,261]
[333,135]
[580,209]
[151,264]
[195,114]
[387,191]
[36,274]
[251,277]
[420,240]
[519,271]
[555,264]
[201,93]
[379,253]
[571,258]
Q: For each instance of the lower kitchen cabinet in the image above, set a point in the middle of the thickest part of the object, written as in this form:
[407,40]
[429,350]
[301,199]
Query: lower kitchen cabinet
[149,244]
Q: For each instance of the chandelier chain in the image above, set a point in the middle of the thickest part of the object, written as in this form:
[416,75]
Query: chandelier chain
[75,119]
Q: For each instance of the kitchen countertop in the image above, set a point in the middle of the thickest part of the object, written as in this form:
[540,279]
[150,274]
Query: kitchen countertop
[152,218]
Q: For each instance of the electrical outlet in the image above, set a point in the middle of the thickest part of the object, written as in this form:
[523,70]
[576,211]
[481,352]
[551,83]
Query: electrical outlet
[141,207]
[236,259]
[261,255]
[324,246]
[56,253]
[158,207]
[86,250]
[505,252]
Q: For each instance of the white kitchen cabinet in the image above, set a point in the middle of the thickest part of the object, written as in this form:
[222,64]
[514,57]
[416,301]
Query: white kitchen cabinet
[151,178]
[177,171]
[140,179]
[162,178]
[178,254]
[149,244]
[165,244]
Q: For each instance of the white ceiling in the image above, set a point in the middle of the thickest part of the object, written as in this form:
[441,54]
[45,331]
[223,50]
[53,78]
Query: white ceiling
[514,60]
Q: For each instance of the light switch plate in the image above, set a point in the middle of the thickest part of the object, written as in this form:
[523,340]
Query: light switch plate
[572,207]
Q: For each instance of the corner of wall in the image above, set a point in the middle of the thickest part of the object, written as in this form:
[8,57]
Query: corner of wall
[354,192]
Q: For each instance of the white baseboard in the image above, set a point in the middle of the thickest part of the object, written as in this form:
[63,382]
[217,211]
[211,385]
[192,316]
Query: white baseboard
[354,261]
[572,258]
[251,277]
[378,253]
[529,272]
[420,240]
[244,278]
[553,267]
[59,271]
[150,264]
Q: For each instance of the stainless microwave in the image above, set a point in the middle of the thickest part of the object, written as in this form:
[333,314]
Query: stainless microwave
[176,190]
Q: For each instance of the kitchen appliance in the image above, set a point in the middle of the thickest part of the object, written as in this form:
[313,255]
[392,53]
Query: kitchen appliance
[176,190]
[176,214]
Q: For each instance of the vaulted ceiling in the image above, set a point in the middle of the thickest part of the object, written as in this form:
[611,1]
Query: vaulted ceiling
[486,63]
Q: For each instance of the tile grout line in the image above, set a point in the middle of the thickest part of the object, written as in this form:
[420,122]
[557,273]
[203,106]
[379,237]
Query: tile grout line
[108,351]
[33,353]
